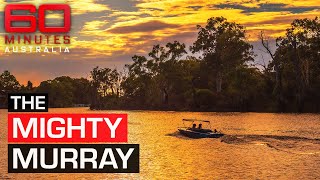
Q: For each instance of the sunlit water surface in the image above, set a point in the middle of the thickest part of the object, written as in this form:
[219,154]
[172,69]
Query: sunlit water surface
[257,146]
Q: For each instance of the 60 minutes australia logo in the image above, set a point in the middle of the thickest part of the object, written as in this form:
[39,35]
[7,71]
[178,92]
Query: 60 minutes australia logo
[22,30]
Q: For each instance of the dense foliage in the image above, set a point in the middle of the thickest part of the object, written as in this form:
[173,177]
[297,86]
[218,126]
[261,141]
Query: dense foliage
[218,76]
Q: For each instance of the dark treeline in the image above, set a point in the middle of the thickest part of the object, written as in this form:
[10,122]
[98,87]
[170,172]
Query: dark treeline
[219,75]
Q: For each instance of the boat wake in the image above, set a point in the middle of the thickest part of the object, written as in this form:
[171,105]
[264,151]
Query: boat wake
[289,144]
[177,134]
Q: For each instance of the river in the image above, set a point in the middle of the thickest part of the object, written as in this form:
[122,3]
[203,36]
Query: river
[257,146]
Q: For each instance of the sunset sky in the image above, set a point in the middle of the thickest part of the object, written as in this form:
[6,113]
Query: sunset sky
[108,33]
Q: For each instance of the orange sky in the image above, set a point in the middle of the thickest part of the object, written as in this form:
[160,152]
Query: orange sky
[108,32]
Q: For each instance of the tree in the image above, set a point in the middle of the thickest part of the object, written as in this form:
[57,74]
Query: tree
[299,52]
[155,76]
[176,50]
[105,80]
[223,46]
[166,66]
[29,86]
[8,83]
[275,65]
[81,91]
[60,90]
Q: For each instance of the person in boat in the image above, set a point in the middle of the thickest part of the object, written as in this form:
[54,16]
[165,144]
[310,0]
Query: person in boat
[200,126]
[194,126]
[215,131]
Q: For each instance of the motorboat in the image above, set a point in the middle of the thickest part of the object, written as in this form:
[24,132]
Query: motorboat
[197,131]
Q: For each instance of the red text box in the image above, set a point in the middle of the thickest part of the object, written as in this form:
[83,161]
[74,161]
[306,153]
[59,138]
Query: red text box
[67,128]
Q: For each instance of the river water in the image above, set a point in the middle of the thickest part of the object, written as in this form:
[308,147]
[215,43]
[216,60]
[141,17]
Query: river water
[257,146]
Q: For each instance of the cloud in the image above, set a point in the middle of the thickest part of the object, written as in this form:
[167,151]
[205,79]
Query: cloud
[77,6]
[109,32]
[196,8]
[142,27]
[270,7]
[93,27]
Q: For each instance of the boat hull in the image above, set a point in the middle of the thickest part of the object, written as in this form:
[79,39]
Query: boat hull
[194,134]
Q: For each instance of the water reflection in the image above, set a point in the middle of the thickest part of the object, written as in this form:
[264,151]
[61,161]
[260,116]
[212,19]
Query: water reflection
[257,146]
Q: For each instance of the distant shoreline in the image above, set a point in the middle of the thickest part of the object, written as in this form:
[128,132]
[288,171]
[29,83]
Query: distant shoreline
[158,110]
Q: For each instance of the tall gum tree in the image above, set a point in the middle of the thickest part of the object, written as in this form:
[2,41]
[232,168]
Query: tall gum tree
[223,46]
[300,49]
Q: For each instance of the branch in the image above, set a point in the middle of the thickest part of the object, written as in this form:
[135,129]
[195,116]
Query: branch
[265,44]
